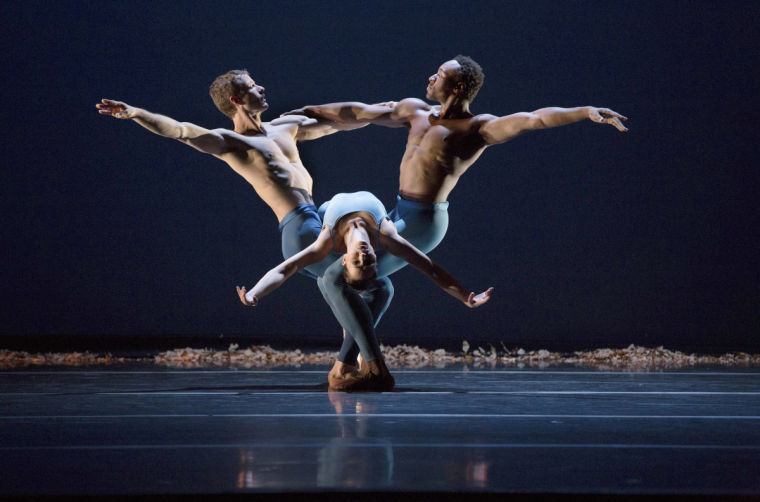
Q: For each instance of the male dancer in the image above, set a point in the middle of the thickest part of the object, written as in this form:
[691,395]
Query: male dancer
[265,154]
[444,141]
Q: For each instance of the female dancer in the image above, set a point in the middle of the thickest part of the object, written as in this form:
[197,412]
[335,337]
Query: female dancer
[357,226]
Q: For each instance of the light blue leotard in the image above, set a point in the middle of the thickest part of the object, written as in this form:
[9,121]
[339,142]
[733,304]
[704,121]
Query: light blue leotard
[346,302]
[422,224]
[299,229]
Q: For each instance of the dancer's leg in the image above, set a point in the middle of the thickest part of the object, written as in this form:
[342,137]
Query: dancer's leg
[424,225]
[351,310]
[299,229]
[377,297]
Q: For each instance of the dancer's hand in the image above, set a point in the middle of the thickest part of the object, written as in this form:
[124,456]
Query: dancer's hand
[607,116]
[474,300]
[115,109]
[247,299]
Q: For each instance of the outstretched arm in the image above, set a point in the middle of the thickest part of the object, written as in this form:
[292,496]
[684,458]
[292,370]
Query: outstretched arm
[500,129]
[390,114]
[276,277]
[205,140]
[402,248]
[306,128]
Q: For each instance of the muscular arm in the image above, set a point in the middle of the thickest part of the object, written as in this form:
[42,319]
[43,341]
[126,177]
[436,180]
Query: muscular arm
[205,140]
[500,129]
[389,114]
[278,275]
[306,128]
[400,247]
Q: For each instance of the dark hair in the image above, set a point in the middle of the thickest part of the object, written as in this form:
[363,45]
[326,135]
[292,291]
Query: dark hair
[471,75]
[222,88]
[358,284]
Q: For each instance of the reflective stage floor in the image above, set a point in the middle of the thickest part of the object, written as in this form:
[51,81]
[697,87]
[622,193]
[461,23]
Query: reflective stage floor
[569,432]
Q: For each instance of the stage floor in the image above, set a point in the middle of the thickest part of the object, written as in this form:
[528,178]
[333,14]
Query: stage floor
[149,430]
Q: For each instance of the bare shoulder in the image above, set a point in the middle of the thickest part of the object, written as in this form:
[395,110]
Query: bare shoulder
[407,106]
[289,124]
[495,130]
[479,121]
[387,227]
[226,134]
[230,140]
[390,238]
[242,147]
[483,118]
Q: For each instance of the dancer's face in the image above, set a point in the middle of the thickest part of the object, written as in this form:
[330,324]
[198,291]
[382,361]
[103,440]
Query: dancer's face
[252,95]
[442,83]
[360,261]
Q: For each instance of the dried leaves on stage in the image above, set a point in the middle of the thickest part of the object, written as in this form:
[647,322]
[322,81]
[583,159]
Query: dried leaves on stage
[631,358]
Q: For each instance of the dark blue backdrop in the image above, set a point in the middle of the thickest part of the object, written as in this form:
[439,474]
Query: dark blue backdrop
[589,236]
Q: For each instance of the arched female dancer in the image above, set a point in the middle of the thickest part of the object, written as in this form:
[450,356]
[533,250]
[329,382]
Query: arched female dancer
[357,226]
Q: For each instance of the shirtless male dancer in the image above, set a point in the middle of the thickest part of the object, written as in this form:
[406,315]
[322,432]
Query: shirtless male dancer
[444,141]
[265,154]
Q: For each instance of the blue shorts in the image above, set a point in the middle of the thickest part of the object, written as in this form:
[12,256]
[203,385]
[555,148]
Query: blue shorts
[423,224]
[299,229]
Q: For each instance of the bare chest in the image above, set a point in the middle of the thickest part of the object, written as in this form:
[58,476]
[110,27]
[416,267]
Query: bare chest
[272,159]
[445,142]
[279,148]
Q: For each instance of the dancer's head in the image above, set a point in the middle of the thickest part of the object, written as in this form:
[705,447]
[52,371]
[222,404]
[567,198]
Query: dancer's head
[460,76]
[359,264]
[236,89]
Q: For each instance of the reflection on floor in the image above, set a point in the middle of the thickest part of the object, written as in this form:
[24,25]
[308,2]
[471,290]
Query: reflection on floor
[144,429]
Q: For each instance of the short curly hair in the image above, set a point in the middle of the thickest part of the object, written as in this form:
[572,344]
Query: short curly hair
[471,75]
[222,88]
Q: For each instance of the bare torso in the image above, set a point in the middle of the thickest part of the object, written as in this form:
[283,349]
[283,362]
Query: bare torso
[271,164]
[438,152]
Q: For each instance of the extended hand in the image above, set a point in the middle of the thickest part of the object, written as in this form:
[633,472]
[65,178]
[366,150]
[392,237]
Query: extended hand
[607,116]
[474,301]
[253,301]
[115,109]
